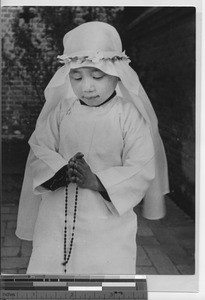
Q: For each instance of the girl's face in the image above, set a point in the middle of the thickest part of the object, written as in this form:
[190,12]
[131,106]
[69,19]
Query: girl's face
[91,85]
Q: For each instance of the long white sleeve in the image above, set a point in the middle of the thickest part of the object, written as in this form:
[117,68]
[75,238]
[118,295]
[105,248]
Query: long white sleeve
[44,142]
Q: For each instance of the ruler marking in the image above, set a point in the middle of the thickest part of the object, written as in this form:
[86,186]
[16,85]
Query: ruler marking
[48,284]
[88,283]
[85,288]
[120,284]
[76,295]
[66,287]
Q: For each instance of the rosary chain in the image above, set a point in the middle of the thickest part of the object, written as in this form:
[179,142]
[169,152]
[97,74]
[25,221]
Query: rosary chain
[67,253]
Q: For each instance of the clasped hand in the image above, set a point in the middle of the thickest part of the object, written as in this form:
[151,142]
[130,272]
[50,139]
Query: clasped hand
[79,172]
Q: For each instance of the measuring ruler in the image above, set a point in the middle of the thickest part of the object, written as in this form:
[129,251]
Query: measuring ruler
[66,287]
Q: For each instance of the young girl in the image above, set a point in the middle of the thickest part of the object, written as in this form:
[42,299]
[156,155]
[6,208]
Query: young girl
[95,154]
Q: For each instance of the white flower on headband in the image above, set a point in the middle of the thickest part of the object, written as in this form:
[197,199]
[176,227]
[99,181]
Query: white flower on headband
[124,55]
[64,58]
[96,58]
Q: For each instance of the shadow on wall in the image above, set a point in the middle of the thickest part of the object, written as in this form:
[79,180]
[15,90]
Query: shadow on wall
[163,54]
[14,153]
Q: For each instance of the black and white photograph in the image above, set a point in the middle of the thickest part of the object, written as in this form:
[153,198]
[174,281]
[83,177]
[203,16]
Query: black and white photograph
[99,130]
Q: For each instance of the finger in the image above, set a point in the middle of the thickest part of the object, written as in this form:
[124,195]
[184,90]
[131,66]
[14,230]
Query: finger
[83,167]
[82,162]
[78,175]
[79,182]
[70,171]
[79,155]
[71,163]
[77,165]
[71,175]
[80,168]
[73,159]
[80,158]
[73,179]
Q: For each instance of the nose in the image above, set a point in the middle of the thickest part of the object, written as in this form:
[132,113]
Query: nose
[88,85]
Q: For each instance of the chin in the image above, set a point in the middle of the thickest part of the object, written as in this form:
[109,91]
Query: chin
[93,102]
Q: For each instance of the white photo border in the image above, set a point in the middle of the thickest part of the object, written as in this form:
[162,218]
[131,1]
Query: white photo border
[169,286]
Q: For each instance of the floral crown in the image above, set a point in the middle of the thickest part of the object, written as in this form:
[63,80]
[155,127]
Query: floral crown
[97,57]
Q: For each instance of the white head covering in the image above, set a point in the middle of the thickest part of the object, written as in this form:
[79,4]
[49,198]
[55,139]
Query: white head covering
[97,44]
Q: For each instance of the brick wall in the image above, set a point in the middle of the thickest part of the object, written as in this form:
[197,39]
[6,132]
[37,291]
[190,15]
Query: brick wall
[161,44]
[20,101]
[162,48]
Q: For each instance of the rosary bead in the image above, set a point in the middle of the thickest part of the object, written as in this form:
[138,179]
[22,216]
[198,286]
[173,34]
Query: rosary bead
[65,226]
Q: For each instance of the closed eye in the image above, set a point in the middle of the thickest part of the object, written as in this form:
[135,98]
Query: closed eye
[76,78]
[97,78]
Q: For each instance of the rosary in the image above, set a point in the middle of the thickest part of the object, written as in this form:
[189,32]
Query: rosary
[67,253]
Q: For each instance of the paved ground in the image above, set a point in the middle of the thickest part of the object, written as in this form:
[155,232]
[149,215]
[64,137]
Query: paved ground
[165,246]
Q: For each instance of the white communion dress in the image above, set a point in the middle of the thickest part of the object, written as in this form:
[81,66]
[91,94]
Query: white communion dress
[117,145]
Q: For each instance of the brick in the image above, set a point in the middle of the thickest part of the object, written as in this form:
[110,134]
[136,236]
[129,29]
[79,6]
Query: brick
[142,258]
[10,231]
[5,210]
[14,262]
[144,231]
[163,237]
[142,270]
[7,15]
[154,223]
[11,224]
[145,241]
[161,261]
[3,228]
[177,254]
[186,269]
[5,217]
[142,222]
[11,241]
[189,245]
[14,210]
[26,248]
[8,271]
[10,251]
[22,271]
[182,233]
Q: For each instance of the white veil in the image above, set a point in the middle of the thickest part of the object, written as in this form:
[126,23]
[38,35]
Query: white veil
[96,44]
